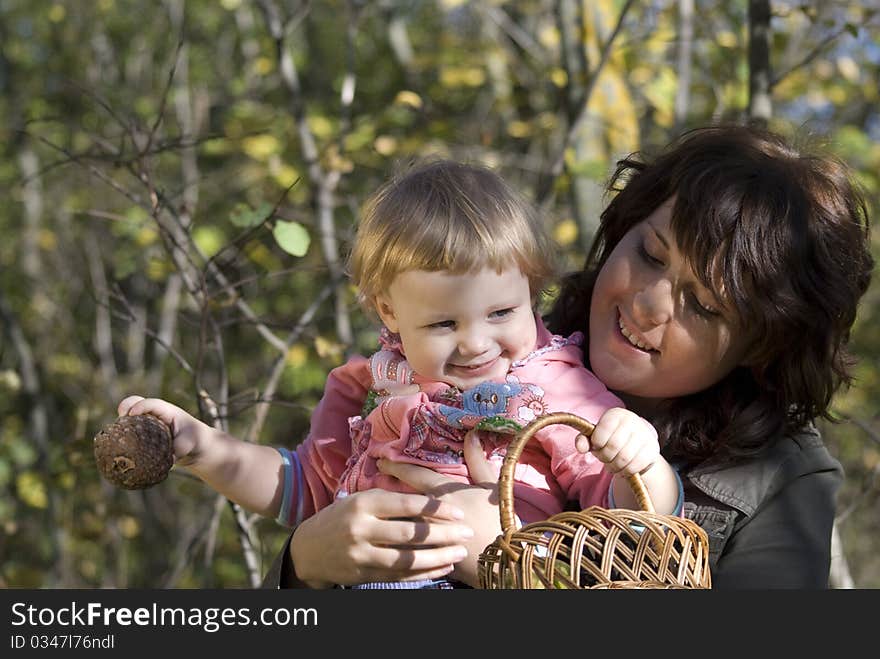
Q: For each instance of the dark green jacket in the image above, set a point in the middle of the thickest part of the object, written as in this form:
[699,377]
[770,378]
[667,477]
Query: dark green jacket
[768,519]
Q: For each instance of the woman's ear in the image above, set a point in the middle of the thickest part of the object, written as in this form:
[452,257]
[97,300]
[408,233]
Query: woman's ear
[385,309]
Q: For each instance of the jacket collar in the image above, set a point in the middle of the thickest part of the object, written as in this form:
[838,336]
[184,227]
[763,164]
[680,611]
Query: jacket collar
[744,485]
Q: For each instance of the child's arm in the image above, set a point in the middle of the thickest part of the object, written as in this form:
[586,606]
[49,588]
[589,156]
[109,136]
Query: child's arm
[249,474]
[627,444]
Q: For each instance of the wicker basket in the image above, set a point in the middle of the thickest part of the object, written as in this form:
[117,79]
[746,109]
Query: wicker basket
[596,548]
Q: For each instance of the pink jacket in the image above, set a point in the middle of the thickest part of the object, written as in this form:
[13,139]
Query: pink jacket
[426,427]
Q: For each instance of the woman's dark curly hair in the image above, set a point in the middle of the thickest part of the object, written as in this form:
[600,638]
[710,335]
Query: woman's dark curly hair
[787,234]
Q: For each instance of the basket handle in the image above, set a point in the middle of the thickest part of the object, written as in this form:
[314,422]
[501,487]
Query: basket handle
[515,449]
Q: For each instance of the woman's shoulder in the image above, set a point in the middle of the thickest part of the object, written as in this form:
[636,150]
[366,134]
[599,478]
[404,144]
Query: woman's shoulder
[746,484]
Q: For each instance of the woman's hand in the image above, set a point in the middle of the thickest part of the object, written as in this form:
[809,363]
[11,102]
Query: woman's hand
[388,536]
[379,536]
[479,503]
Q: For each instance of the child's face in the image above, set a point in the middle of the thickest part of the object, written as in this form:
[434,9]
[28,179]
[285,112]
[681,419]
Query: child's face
[461,329]
[655,331]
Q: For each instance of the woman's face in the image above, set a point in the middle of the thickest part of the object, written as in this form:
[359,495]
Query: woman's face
[655,331]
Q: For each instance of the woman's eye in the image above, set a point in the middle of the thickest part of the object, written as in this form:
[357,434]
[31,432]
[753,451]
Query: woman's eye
[702,309]
[647,256]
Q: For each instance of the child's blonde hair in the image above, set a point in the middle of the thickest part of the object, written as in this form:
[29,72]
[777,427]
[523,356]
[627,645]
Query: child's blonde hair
[451,216]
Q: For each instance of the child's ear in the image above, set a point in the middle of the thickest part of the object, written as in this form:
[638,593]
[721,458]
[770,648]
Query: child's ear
[384,308]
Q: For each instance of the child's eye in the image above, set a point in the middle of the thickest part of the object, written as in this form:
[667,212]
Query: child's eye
[443,324]
[501,313]
[646,255]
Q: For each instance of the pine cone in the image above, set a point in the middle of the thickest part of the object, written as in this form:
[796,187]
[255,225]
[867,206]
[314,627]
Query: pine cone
[134,452]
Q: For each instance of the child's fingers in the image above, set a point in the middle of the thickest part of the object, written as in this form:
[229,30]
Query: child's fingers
[641,462]
[479,468]
[126,404]
[622,459]
[602,434]
[170,414]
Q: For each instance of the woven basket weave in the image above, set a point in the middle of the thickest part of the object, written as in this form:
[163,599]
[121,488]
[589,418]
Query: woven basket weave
[596,548]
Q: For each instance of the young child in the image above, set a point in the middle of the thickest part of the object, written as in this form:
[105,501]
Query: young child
[452,261]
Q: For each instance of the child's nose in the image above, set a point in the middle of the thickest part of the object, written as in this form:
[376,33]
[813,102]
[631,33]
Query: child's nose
[473,343]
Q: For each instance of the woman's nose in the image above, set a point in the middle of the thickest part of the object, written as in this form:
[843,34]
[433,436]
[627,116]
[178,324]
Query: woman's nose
[654,304]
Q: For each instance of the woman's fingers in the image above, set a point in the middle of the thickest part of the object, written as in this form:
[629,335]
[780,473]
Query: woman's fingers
[387,505]
[420,478]
[364,538]
[407,562]
[429,481]
[421,533]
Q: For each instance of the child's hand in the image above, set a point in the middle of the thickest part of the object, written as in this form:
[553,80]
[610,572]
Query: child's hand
[624,441]
[189,434]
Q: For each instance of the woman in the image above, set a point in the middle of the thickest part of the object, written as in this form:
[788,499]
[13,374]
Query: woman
[717,301]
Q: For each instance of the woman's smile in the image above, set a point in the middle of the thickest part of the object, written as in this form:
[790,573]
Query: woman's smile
[633,336]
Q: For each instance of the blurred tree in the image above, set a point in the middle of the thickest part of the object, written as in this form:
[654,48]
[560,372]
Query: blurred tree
[183,179]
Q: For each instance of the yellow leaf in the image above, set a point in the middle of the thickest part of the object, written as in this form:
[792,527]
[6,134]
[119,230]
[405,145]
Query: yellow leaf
[261,255]
[836,94]
[157,269]
[297,355]
[548,36]
[612,101]
[320,125]
[31,490]
[848,68]
[518,128]
[566,232]
[559,76]
[146,236]
[10,380]
[286,175]
[661,92]
[264,66]
[129,527]
[406,97]
[260,147]
[327,348]
[208,239]
[337,162]
[462,76]
[726,39]
[385,145]
[57,13]
[88,568]
[47,240]
[547,120]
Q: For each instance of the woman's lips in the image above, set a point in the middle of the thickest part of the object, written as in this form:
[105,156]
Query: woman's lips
[630,338]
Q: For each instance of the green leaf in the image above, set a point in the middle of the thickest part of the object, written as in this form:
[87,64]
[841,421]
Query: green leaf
[209,240]
[292,237]
[244,216]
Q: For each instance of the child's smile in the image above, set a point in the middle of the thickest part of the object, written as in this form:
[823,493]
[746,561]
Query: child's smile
[461,329]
